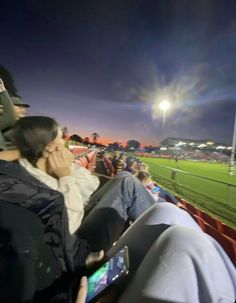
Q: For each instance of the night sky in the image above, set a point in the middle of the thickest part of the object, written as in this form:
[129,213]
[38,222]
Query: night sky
[101,66]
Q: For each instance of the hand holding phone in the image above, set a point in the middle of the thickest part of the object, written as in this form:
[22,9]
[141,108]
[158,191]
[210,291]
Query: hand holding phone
[108,274]
[83,289]
[156,190]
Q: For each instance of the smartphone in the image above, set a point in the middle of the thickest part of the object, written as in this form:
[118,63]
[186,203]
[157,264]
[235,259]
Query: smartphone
[109,273]
[156,189]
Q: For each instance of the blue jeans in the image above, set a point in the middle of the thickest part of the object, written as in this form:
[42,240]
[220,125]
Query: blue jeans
[122,198]
[167,196]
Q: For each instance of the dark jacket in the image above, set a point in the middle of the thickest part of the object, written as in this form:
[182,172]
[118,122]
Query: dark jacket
[27,264]
[19,187]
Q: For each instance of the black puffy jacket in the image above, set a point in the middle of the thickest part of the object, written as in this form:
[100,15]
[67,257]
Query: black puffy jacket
[19,187]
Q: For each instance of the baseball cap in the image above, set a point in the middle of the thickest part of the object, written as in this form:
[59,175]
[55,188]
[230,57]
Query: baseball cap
[19,102]
[130,160]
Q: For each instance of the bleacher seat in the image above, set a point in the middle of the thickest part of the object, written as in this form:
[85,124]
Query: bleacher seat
[200,222]
[109,166]
[211,221]
[192,209]
[82,161]
[228,244]
[228,231]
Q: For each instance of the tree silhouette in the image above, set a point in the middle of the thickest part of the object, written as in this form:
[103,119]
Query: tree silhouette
[133,144]
[115,146]
[95,136]
[86,140]
[76,138]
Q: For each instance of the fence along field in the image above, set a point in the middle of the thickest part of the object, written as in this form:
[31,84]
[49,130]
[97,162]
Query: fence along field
[206,185]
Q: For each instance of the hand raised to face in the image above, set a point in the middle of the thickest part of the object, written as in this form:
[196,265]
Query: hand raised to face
[59,161]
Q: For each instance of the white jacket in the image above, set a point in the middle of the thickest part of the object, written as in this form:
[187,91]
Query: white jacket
[76,189]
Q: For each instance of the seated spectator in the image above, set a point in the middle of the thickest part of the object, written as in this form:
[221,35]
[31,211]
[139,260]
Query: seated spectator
[182,265]
[179,257]
[156,191]
[120,164]
[150,186]
[113,158]
[132,166]
[52,164]
[7,118]
[46,181]
[143,167]
[12,110]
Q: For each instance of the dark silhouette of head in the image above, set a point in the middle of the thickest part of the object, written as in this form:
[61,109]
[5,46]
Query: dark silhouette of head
[33,134]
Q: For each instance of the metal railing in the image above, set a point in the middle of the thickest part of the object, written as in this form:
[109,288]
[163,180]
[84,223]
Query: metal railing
[219,198]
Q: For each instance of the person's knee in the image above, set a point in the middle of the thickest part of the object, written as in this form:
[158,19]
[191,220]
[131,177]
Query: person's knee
[184,238]
[124,174]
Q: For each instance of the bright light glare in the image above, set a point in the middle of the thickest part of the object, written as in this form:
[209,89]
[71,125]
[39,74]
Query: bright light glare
[164,105]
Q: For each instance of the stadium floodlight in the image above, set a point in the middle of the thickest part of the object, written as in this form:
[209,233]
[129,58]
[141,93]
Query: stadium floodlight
[164,106]
[220,147]
[201,145]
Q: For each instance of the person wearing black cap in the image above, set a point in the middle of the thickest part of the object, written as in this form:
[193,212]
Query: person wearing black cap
[20,107]
[11,109]
[7,114]
[132,166]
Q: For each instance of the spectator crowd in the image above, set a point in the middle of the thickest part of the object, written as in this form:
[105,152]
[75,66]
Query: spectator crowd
[57,223]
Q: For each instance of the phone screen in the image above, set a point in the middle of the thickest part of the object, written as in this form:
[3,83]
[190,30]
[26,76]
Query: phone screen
[156,189]
[107,274]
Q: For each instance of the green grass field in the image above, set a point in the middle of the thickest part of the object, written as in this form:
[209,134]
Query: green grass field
[207,185]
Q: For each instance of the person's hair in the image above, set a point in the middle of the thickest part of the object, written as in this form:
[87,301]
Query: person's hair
[144,167]
[121,155]
[33,134]
[9,82]
[143,175]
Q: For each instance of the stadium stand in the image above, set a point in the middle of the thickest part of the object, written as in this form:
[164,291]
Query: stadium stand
[200,222]
[78,150]
[92,160]
[88,160]
[82,161]
[228,244]
[109,167]
[210,220]
[228,231]
[222,233]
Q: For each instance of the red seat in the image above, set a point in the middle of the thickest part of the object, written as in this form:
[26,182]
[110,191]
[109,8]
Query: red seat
[200,222]
[228,244]
[192,209]
[228,231]
[91,155]
[109,166]
[82,161]
[211,221]
[180,200]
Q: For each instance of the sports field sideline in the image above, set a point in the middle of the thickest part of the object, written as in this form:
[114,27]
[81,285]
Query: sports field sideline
[207,185]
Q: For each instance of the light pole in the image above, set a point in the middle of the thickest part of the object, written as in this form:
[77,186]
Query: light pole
[231,163]
[164,106]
